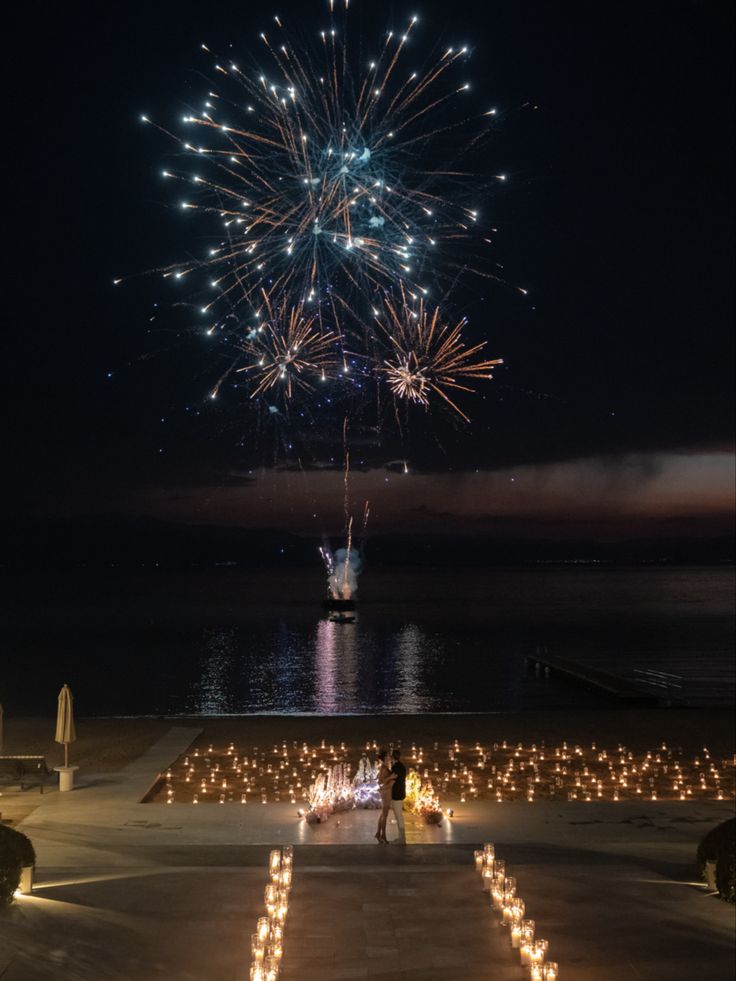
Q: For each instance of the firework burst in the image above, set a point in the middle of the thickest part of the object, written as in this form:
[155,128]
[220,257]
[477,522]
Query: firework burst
[322,175]
[428,356]
[332,182]
[289,352]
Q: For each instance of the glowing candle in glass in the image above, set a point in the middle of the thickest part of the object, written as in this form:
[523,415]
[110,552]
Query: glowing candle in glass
[478,856]
[536,973]
[276,950]
[257,949]
[551,971]
[516,935]
[527,940]
[262,929]
[537,952]
[257,973]
[496,897]
[506,913]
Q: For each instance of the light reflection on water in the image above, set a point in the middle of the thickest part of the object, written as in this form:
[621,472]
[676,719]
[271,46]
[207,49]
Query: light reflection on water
[214,695]
[329,668]
[423,640]
[410,646]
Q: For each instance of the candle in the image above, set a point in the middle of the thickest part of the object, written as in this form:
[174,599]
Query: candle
[257,949]
[550,971]
[527,940]
[276,951]
[516,935]
[262,929]
[256,973]
[536,954]
[536,973]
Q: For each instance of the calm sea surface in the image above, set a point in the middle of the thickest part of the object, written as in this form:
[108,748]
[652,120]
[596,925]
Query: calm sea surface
[227,641]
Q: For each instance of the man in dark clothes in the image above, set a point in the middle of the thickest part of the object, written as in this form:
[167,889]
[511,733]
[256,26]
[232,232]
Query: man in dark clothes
[398,794]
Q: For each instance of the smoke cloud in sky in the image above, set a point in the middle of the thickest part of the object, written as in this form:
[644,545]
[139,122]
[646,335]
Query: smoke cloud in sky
[652,486]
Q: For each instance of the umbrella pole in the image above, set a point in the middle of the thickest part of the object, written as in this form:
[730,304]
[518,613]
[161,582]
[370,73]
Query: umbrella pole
[66,754]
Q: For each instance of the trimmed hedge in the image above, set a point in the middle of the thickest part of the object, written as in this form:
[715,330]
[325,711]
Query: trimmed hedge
[16,851]
[719,846]
[726,871]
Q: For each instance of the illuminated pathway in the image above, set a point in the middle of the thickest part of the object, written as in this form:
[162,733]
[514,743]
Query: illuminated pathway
[392,921]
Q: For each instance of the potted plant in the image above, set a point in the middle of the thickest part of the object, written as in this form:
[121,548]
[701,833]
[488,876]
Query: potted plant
[17,862]
[716,860]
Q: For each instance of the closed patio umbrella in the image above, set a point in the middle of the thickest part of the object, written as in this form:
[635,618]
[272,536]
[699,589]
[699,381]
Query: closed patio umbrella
[65,732]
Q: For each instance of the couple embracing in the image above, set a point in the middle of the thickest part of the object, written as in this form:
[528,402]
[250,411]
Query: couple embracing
[392,784]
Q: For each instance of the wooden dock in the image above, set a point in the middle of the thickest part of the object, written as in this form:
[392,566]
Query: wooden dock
[620,688]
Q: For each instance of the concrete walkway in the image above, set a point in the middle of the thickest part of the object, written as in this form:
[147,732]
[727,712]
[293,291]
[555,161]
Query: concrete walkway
[129,890]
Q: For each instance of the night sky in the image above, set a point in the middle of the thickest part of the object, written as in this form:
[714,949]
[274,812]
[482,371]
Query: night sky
[616,399]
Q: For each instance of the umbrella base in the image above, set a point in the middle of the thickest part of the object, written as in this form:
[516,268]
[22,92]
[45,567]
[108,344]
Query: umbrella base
[66,777]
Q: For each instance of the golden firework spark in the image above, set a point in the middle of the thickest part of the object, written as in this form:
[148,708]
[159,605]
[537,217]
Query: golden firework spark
[429,356]
[289,352]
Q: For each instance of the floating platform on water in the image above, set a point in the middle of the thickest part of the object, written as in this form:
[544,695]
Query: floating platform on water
[339,604]
[620,688]
[342,618]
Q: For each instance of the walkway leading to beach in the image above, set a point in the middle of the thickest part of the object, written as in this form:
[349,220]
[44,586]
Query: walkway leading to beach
[129,890]
[394,922]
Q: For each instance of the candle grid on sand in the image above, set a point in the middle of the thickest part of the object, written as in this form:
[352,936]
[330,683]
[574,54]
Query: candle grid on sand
[505,771]
[510,908]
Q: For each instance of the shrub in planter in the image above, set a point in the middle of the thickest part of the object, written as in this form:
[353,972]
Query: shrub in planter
[726,870]
[16,851]
[711,844]
[719,846]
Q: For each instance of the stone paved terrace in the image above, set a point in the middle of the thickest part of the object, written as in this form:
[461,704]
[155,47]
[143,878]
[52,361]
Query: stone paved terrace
[129,890]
